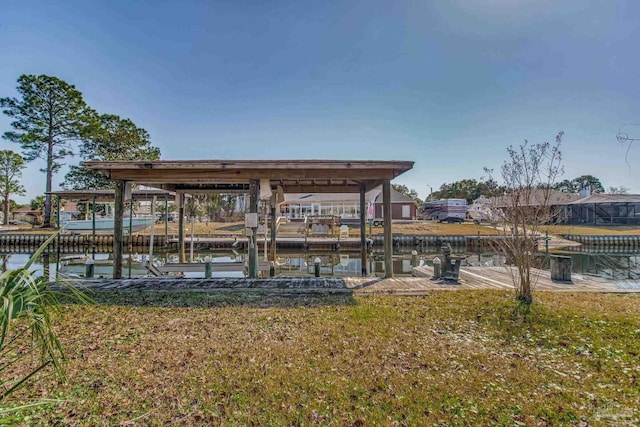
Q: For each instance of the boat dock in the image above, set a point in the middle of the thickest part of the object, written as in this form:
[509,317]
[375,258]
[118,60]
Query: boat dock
[471,278]
[497,278]
[283,242]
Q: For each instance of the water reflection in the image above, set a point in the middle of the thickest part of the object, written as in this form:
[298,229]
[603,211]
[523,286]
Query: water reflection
[609,266]
[616,265]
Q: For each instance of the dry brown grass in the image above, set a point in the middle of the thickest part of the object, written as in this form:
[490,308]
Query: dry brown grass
[450,358]
[418,227]
[586,230]
[429,227]
[202,228]
[29,229]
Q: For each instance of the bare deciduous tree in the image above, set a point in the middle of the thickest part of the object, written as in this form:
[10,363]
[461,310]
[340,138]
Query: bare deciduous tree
[528,174]
[618,190]
[193,207]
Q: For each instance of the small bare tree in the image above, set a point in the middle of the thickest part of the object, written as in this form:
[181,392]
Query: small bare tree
[193,207]
[528,174]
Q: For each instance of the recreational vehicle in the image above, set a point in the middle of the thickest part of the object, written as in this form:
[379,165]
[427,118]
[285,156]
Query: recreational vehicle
[449,210]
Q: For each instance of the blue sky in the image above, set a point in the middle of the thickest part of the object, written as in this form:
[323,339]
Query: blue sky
[447,84]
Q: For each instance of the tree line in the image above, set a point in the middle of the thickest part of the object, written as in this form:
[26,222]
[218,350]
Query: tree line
[472,189]
[51,121]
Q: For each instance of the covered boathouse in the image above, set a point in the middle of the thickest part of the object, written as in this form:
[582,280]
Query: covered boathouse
[259,178]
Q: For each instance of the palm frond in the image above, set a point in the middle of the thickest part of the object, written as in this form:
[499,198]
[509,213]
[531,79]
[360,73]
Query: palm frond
[31,301]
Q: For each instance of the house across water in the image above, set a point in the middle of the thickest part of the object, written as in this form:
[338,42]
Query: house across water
[347,205]
[605,209]
[573,209]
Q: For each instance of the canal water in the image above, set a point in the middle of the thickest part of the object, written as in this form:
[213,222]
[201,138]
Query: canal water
[612,264]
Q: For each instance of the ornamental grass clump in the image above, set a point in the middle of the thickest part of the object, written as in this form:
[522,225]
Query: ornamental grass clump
[29,345]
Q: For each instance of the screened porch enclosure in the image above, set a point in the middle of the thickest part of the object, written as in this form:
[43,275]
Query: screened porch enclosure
[301,210]
[613,213]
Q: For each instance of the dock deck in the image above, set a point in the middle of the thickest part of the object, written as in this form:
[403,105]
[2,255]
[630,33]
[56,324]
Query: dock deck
[497,278]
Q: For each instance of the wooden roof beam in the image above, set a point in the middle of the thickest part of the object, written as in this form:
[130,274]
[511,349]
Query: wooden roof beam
[250,164]
[302,188]
[203,176]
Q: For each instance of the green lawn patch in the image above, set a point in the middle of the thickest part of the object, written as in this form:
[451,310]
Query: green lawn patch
[449,358]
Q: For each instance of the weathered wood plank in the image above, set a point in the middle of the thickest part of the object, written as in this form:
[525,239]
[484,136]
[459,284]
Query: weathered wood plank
[199,267]
[497,278]
[388,238]
[213,164]
[118,241]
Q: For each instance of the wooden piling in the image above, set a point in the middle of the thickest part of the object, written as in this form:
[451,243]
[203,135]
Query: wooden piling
[118,243]
[560,268]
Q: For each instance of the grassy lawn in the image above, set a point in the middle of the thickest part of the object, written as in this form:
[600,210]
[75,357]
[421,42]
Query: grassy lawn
[417,227]
[434,227]
[600,229]
[222,229]
[449,358]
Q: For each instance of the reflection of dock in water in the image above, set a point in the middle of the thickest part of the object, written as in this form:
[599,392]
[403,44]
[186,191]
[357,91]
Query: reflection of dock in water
[287,242]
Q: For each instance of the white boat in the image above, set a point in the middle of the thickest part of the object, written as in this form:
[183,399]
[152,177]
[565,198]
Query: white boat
[105,225]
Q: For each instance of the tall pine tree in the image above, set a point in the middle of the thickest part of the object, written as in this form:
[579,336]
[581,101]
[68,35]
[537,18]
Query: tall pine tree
[11,165]
[114,139]
[48,117]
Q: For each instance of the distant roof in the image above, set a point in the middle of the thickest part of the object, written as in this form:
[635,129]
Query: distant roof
[396,197]
[537,197]
[328,197]
[374,195]
[293,176]
[608,198]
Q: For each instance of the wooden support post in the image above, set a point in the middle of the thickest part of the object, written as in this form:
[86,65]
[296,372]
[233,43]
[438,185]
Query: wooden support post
[57,240]
[560,268]
[153,227]
[117,229]
[363,232]
[253,239]
[180,197]
[193,219]
[388,238]
[93,228]
[274,226]
[57,213]
[166,221]
[130,246]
